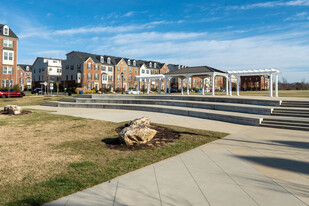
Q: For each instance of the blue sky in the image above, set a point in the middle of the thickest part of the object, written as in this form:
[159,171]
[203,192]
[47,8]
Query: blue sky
[224,34]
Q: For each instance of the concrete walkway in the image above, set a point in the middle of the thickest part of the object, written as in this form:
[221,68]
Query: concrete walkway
[252,166]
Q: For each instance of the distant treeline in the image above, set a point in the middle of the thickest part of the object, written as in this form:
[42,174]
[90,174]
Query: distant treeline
[284,85]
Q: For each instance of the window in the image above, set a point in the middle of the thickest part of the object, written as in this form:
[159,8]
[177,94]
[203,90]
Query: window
[130,78]
[124,69]
[58,70]
[110,69]
[129,62]
[150,64]
[28,74]
[67,67]
[96,67]
[21,74]
[103,68]
[7,70]
[89,66]
[72,78]
[134,63]
[102,59]
[50,69]
[6,56]
[130,70]
[118,69]
[155,65]
[72,67]
[88,86]
[110,78]
[7,43]
[28,80]
[156,71]
[6,31]
[67,77]
[136,71]
[104,77]
[54,61]
[124,78]
[89,76]
[6,83]
[10,56]
[34,71]
[96,77]
[118,77]
[27,68]
[79,66]
[108,60]
[147,71]
[143,71]
[151,71]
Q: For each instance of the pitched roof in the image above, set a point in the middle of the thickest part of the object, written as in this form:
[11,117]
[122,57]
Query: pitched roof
[11,33]
[195,70]
[24,66]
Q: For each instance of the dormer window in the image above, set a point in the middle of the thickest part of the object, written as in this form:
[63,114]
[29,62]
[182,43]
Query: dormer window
[129,62]
[150,64]
[5,30]
[178,66]
[134,63]
[27,68]
[102,59]
[155,65]
[108,60]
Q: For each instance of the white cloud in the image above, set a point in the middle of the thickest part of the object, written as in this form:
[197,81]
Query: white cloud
[271,4]
[130,13]
[298,16]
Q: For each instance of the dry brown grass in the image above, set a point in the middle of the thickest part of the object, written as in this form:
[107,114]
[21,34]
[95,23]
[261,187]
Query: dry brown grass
[27,149]
[27,100]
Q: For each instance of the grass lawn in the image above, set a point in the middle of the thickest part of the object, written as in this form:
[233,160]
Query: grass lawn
[28,100]
[45,156]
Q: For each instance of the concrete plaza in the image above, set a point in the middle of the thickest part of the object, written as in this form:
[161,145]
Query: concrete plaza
[251,166]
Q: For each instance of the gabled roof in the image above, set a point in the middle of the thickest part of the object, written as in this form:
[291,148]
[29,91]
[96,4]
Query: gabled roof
[195,70]
[24,66]
[11,33]
[115,60]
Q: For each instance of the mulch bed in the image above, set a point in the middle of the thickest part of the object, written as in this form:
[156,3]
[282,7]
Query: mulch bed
[163,137]
[22,113]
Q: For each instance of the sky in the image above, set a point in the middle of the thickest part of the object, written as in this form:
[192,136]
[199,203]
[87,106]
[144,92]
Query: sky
[224,34]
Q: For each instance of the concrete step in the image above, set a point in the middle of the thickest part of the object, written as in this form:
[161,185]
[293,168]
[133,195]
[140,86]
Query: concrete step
[290,127]
[234,117]
[199,98]
[251,109]
[290,114]
[299,104]
[282,122]
[297,111]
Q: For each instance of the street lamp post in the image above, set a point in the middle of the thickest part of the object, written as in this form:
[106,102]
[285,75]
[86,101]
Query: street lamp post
[122,82]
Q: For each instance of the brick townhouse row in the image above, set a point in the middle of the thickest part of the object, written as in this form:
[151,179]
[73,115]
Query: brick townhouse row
[81,69]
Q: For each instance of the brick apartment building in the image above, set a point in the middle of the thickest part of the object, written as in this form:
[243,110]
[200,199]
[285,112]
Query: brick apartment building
[253,83]
[46,70]
[8,56]
[81,69]
[24,76]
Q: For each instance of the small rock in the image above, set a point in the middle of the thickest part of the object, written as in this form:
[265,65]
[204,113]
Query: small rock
[143,121]
[136,134]
[12,109]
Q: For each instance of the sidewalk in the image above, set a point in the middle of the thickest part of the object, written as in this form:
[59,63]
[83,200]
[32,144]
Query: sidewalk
[252,166]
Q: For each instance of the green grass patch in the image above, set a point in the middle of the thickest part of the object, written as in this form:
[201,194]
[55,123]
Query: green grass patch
[69,158]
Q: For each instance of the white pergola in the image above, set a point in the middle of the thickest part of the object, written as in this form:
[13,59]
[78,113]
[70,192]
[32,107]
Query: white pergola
[255,72]
[148,78]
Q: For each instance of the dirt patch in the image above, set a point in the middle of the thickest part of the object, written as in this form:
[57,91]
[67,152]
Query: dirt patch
[22,113]
[163,137]
[47,98]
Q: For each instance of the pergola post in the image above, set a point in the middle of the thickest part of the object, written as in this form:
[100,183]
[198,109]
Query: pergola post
[165,85]
[159,91]
[230,87]
[271,85]
[203,87]
[276,91]
[237,85]
[181,86]
[137,85]
[227,86]
[147,85]
[188,86]
[213,84]
[169,85]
